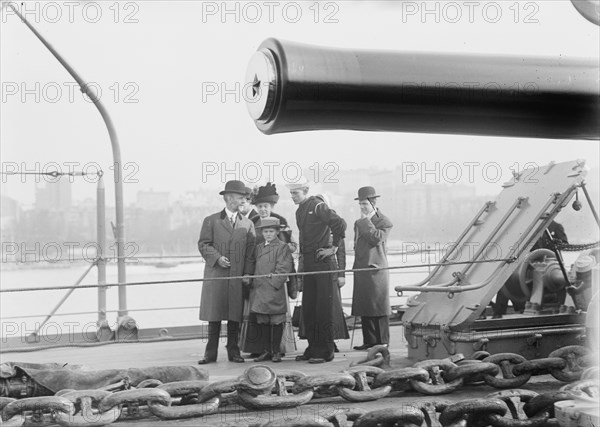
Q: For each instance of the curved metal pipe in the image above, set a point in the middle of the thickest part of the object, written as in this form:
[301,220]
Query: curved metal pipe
[451,289]
[116,152]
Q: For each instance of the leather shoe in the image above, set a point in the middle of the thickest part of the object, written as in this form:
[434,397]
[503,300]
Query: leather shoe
[264,356]
[276,357]
[236,358]
[302,358]
[205,360]
[321,359]
[363,347]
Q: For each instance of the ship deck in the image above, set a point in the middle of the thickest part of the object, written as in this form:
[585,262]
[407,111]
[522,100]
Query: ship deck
[139,355]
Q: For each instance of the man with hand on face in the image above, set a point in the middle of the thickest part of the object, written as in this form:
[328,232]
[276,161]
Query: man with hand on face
[371,295]
[321,304]
[247,208]
[226,243]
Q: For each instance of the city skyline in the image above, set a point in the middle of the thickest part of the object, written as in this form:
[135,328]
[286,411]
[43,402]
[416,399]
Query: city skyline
[162,222]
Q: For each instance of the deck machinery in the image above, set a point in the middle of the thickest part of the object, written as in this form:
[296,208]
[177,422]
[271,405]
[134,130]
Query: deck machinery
[447,316]
[297,87]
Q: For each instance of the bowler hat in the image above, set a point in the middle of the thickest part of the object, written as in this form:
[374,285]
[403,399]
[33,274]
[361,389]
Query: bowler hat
[268,222]
[301,183]
[234,187]
[266,194]
[366,193]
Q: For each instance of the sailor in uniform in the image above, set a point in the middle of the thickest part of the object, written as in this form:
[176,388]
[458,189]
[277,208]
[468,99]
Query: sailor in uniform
[321,303]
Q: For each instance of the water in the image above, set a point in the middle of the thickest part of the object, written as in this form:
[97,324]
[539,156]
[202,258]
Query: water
[171,296]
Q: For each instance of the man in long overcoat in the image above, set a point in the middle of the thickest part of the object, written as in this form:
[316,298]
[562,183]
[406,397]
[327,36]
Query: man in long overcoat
[227,245]
[371,296]
[321,304]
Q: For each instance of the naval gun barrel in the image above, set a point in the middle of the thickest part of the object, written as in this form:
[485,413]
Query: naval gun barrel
[297,87]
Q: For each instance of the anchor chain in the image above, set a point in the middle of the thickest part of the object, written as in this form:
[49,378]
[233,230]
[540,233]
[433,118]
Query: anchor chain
[260,388]
[568,247]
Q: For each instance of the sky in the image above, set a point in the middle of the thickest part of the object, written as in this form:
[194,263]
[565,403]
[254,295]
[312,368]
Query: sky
[168,72]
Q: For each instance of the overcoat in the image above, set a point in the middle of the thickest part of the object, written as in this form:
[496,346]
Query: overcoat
[268,294]
[222,299]
[371,295]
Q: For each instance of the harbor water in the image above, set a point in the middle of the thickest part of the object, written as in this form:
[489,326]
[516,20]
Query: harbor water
[152,306]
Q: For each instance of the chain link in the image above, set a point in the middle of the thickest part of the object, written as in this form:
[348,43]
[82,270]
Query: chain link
[364,392]
[435,384]
[576,248]
[260,388]
[86,410]
[378,356]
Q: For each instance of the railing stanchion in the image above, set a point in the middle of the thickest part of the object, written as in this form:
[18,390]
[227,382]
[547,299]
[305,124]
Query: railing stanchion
[101,261]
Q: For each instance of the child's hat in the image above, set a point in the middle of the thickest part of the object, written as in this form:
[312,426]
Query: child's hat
[268,222]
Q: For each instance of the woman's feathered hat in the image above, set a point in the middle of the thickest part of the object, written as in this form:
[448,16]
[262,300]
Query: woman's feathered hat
[266,194]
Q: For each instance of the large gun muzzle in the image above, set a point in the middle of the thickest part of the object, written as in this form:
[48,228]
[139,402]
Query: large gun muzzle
[297,87]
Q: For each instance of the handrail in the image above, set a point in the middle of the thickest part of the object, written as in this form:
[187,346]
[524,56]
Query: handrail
[81,313]
[159,257]
[306,273]
[421,285]
[458,289]
[527,231]
[451,289]
[484,209]
[516,205]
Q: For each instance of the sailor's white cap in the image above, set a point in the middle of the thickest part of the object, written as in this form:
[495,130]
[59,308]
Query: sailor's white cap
[300,183]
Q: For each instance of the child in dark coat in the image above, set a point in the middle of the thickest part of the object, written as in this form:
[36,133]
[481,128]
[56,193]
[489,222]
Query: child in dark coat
[268,294]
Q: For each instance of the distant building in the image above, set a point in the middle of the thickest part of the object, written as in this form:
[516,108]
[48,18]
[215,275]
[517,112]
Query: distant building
[54,196]
[10,219]
[421,212]
[149,222]
[153,200]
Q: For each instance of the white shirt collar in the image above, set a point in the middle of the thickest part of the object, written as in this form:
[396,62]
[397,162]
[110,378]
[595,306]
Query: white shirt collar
[230,214]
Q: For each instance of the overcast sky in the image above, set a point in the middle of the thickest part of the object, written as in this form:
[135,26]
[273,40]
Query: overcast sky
[155,64]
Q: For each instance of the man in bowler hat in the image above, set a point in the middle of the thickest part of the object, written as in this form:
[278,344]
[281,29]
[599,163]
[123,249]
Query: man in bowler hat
[226,243]
[371,295]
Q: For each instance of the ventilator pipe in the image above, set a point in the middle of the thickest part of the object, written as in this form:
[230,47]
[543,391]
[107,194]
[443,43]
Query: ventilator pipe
[116,152]
[298,87]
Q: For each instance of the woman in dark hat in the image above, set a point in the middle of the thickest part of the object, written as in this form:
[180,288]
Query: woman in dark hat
[264,199]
